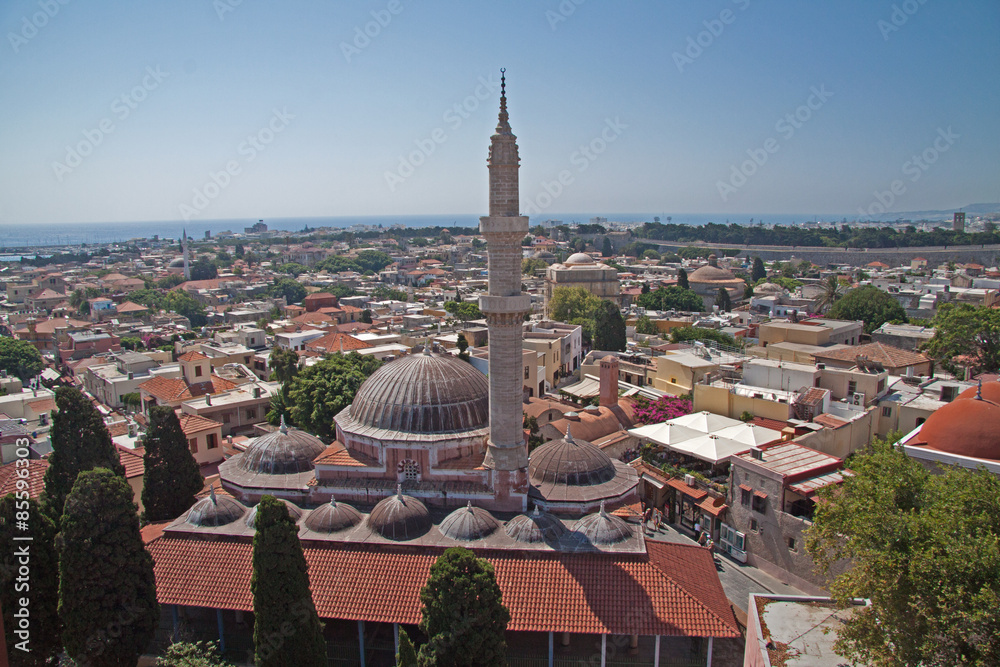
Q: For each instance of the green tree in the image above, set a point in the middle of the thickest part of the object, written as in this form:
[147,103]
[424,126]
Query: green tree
[407,656]
[184,304]
[758,271]
[672,298]
[319,392]
[570,304]
[463,310]
[172,477]
[966,335]
[132,400]
[132,343]
[284,364]
[286,630]
[870,305]
[204,269]
[607,250]
[650,254]
[42,581]
[107,595]
[192,654]
[609,328]
[386,293]
[682,279]
[365,316]
[463,614]
[644,325]
[20,358]
[292,268]
[80,442]
[531,265]
[683,334]
[168,282]
[722,300]
[924,549]
[832,291]
[463,345]
[239,251]
[292,290]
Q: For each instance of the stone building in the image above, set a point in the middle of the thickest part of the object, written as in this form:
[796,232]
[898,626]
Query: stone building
[707,280]
[582,270]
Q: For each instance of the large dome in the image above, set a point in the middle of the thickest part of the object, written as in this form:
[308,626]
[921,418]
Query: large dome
[711,273]
[215,511]
[399,517]
[284,451]
[333,517]
[966,427]
[468,524]
[579,258]
[424,393]
[571,462]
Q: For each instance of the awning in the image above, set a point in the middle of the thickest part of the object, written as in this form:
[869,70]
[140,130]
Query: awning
[655,482]
[746,487]
[760,494]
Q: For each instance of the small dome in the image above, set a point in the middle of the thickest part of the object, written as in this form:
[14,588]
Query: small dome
[603,528]
[768,288]
[283,451]
[424,393]
[333,517]
[571,462]
[399,517]
[215,511]
[469,523]
[177,263]
[543,254]
[293,511]
[579,258]
[965,427]
[535,528]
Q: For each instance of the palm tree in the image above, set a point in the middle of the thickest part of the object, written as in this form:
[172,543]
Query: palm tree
[832,291]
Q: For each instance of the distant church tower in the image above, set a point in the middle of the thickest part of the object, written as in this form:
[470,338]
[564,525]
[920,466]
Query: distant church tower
[184,249]
[505,308]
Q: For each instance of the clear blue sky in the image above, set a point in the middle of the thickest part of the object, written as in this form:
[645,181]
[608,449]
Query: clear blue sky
[686,123]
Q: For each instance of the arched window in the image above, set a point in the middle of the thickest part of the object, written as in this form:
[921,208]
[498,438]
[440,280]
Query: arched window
[408,469]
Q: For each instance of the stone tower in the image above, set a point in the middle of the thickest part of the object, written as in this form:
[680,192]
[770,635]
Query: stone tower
[184,249]
[505,307]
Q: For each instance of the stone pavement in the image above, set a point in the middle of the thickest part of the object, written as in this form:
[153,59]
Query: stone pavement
[738,580]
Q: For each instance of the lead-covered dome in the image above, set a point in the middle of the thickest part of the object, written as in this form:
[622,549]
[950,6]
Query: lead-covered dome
[333,517]
[711,272]
[603,528]
[424,393]
[293,511]
[579,259]
[534,528]
[284,451]
[399,517]
[215,511]
[571,462]
[469,523]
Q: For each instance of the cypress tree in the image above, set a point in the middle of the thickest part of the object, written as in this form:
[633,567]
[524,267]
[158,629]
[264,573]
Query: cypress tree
[609,328]
[463,614]
[722,300]
[407,656]
[172,478]
[40,584]
[758,271]
[80,441]
[281,595]
[107,594]
[682,279]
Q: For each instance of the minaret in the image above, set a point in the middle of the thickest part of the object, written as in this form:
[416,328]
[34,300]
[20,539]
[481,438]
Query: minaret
[505,306]
[184,248]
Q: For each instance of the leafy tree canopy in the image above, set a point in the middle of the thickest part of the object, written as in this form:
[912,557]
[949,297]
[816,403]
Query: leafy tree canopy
[20,358]
[924,550]
[192,654]
[966,335]
[204,269]
[463,310]
[698,333]
[869,304]
[645,325]
[386,293]
[292,290]
[573,303]
[672,298]
[531,265]
[319,392]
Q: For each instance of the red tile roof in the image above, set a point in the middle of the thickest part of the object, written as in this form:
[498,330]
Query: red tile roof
[829,421]
[692,491]
[132,460]
[192,424]
[887,355]
[173,389]
[332,342]
[714,506]
[129,307]
[773,424]
[338,455]
[675,591]
[192,356]
[36,474]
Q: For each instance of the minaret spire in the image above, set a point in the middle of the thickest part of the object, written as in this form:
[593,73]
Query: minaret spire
[503,125]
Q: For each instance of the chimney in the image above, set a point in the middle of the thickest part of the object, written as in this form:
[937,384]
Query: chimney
[609,381]
[208,399]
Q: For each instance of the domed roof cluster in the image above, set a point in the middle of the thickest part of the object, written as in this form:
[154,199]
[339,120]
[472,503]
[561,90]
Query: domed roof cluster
[284,451]
[400,517]
[424,393]
[213,511]
[968,426]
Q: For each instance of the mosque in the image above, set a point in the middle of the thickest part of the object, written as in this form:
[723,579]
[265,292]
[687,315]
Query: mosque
[430,454]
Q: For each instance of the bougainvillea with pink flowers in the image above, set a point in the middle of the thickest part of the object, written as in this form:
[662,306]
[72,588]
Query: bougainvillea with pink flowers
[661,410]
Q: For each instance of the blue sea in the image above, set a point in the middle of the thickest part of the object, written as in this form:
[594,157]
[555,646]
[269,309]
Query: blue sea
[74,234]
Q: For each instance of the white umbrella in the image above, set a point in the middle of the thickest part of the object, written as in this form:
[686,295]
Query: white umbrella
[711,448]
[706,422]
[665,433]
[750,434]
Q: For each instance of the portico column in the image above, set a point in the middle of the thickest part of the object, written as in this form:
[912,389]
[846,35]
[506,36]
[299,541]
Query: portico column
[709,663]
[656,653]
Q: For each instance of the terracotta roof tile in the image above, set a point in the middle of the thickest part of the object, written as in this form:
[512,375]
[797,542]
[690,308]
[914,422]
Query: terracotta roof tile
[692,491]
[191,424]
[829,421]
[338,455]
[674,591]
[36,475]
[887,355]
[132,459]
[714,506]
[332,342]
[773,424]
[193,355]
